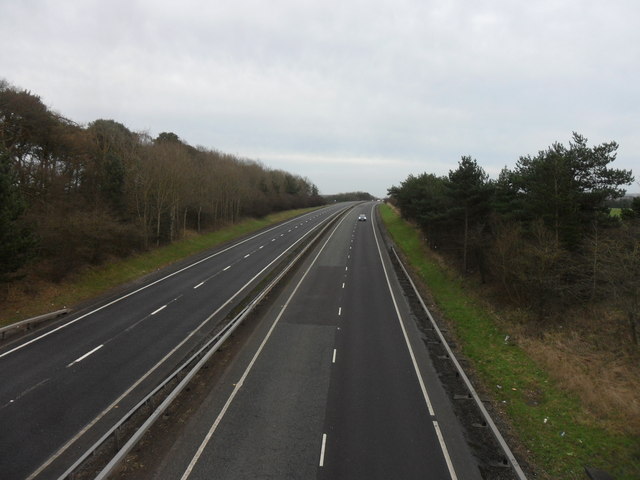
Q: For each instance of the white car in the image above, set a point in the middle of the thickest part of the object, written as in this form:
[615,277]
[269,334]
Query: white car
[362,217]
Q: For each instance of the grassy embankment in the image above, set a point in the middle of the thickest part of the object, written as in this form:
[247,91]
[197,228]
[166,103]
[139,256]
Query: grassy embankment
[560,438]
[31,297]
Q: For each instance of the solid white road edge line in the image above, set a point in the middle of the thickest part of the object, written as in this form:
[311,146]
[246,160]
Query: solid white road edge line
[443,446]
[404,332]
[416,368]
[238,385]
[514,463]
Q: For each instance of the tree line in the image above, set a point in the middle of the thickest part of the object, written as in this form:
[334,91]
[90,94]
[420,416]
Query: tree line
[72,195]
[541,234]
[349,197]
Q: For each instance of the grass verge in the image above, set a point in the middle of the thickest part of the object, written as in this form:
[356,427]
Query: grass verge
[27,300]
[557,436]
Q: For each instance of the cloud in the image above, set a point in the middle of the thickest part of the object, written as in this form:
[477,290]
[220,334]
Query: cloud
[407,83]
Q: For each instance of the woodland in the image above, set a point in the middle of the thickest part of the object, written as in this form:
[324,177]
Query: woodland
[541,237]
[75,195]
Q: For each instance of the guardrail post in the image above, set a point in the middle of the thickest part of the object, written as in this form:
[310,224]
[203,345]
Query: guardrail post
[595,474]
[116,438]
[471,394]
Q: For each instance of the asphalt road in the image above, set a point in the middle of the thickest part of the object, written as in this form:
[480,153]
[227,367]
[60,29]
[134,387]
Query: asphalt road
[62,385]
[334,384]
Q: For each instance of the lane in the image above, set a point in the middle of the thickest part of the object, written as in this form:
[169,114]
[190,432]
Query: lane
[55,385]
[379,424]
[331,390]
[263,419]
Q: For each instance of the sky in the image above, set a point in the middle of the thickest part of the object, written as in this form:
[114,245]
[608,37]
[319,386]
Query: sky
[355,95]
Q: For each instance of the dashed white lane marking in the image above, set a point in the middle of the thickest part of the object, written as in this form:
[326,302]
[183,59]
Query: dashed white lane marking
[101,415]
[261,247]
[324,444]
[118,299]
[198,285]
[247,255]
[240,383]
[334,356]
[158,310]
[27,391]
[226,268]
[273,239]
[339,311]
[346,269]
[79,359]
[342,284]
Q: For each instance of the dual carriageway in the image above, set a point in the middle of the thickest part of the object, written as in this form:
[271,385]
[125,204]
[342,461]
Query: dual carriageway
[333,382]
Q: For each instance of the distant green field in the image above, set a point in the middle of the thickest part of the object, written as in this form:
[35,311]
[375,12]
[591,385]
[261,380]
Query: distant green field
[615,212]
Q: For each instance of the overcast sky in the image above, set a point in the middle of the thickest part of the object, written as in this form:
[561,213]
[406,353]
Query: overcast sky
[355,95]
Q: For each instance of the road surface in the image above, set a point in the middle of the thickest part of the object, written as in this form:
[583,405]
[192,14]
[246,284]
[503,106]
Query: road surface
[335,383]
[63,386]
